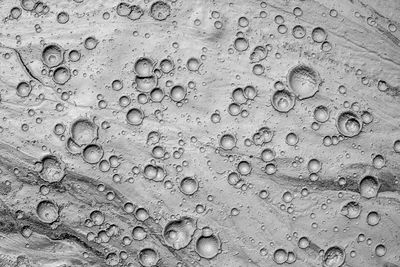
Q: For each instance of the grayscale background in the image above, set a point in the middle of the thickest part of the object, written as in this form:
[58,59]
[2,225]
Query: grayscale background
[199,133]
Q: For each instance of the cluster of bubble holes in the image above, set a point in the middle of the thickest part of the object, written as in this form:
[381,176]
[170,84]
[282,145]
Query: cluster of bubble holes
[302,82]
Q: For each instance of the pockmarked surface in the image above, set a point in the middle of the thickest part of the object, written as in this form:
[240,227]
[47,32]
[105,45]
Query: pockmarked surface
[199,133]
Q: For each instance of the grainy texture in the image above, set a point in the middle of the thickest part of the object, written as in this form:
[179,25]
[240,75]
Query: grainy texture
[199,133]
